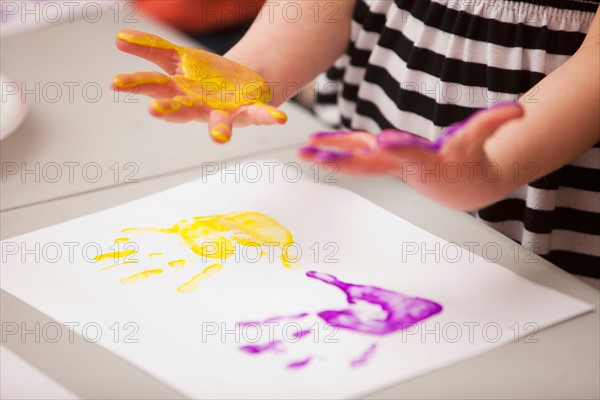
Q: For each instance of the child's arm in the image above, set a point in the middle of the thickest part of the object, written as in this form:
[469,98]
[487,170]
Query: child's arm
[289,44]
[294,53]
[559,122]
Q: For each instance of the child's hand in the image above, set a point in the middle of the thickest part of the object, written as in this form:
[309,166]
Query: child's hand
[202,86]
[447,169]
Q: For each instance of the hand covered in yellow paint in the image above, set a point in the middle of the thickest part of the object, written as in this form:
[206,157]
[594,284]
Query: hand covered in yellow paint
[201,86]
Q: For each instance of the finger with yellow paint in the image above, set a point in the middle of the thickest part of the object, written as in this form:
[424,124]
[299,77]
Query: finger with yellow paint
[219,126]
[179,109]
[153,84]
[202,86]
[145,45]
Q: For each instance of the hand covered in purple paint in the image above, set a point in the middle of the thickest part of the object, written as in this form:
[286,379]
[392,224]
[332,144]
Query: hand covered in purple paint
[440,169]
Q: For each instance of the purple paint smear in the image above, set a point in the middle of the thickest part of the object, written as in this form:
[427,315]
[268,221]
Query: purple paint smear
[284,317]
[331,133]
[299,364]
[321,155]
[302,333]
[261,348]
[392,139]
[274,319]
[401,311]
[366,356]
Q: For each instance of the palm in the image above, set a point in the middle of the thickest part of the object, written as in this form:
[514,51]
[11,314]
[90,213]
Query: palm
[200,86]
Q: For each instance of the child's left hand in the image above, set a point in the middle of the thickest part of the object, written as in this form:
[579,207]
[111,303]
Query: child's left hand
[459,153]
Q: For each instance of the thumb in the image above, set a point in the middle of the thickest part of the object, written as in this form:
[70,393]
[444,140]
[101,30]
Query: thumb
[485,122]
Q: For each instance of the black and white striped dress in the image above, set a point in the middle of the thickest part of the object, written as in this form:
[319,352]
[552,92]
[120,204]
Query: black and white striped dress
[421,65]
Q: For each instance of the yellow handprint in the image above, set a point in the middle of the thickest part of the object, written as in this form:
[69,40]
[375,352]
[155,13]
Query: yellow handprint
[218,237]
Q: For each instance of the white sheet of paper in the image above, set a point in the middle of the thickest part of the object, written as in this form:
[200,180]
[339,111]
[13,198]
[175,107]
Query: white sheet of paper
[190,340]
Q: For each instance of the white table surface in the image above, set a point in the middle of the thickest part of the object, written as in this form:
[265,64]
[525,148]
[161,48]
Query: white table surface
[564,363]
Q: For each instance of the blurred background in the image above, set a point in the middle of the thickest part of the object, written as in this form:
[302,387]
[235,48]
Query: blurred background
[217,24]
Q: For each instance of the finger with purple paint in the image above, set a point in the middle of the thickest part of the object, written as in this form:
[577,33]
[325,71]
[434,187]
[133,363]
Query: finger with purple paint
[461,147]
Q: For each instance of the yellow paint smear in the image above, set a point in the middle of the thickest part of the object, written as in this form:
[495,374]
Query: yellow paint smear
[165,107]
[130,81]
[273,112]
[193,283]
[289,261]
[136,278]
[145,39]
[216,236]
[177,263]
[115,255]
[220,135]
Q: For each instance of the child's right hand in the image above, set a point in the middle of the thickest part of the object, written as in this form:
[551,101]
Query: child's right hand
[201,86]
